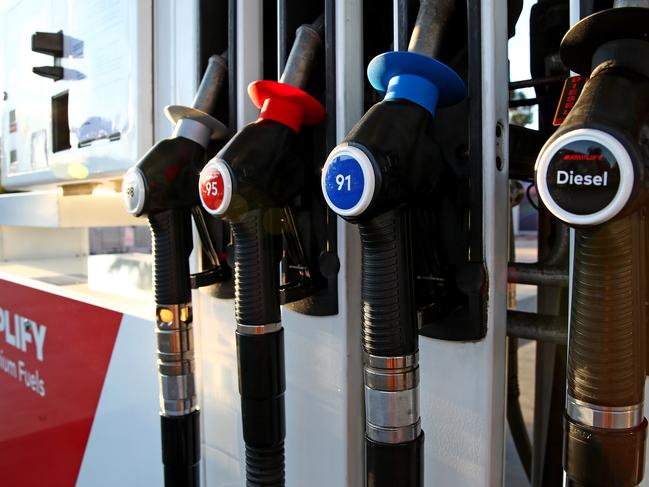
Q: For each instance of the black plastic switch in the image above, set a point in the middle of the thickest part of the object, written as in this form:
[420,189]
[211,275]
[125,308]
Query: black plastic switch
[50,43]
[52,72]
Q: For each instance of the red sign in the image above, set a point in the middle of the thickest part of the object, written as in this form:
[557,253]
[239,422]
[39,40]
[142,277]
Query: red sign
[54,354]
[212,187]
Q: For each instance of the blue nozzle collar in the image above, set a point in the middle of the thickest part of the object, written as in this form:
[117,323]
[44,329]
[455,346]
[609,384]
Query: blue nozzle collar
[414,88]
[420,79]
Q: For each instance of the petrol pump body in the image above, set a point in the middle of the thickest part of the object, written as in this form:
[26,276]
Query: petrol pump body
[331,254]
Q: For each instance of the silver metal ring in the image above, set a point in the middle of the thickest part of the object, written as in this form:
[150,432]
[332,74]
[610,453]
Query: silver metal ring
[259,329]
[396,409]
[179,407]
[393,435]
[177,394]
[192,130]
[609,417]
[174,337]
[392,417]
[388,380]
[177,386]
[403,362]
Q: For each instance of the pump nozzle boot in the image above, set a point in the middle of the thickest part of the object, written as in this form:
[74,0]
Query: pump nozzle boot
[248,183]
[388,165]
[160,187]
[592,174]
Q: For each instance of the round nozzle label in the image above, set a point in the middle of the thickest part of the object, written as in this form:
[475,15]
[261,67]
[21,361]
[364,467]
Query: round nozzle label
[215,187]
[348,181]
[585,177]
[134,191]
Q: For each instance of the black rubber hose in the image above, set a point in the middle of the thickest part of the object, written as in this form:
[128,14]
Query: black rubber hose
[181,449]
[389,330]
[171,235]
[389,309]
[262,385]
[390,465]
[257,240]
[606,359]
[606,351]
[262,378]
[514,414]
[180,435]
[598,457]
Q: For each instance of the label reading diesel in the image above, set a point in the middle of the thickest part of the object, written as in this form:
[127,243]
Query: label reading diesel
[583,177]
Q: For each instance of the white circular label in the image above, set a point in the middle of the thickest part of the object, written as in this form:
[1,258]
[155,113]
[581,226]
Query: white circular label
[134,191]
[348,181]
[584,177]
[215,187]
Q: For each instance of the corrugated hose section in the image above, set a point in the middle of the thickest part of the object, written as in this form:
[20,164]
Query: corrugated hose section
[256,271]
[389,312]
[171,235]
[606,362]
[265,466]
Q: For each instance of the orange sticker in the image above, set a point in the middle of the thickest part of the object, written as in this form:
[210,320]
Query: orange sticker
[572,88]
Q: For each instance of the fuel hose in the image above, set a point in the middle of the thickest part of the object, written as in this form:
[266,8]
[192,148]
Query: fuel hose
[376,178]
[249,182]
[592,175]
[160,186]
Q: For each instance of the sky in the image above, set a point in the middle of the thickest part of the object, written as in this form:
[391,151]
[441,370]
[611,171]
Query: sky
[519,46]
[519,54]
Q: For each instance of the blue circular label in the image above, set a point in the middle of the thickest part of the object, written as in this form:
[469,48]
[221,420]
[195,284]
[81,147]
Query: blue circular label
[344,182]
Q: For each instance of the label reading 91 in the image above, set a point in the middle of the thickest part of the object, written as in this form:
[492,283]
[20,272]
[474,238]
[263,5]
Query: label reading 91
[344,182]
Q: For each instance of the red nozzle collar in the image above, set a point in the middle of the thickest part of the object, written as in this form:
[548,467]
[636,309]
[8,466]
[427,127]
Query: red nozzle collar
[285,104]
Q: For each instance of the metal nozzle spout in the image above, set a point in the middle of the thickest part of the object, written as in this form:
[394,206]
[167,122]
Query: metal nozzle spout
[300,62]
[211,84]
[431,21]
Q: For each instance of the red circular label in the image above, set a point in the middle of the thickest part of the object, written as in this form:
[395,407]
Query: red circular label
[212,188]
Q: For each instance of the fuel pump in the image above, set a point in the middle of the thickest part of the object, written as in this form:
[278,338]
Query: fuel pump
[160,187]
[593,175]
[387,166]
[249,183]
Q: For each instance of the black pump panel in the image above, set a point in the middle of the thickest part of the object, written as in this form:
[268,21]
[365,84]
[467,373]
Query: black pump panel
[443,192]
[310,260]
[447,243]
[216,38]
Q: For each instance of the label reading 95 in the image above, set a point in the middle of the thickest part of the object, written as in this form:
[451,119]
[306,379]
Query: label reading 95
[212,190]
[215,187]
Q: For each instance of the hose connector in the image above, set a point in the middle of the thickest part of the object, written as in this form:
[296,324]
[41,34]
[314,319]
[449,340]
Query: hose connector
[392,398]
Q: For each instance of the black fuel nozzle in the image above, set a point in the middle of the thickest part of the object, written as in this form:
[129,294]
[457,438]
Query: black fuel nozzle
[160,179]
[161,187]
[385,168]
[593,174]
[387,159]
[249,182]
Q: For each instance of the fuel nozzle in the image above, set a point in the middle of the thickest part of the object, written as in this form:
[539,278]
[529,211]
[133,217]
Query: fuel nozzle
[384,160]
[160,179]
[592,174]
[388,164]
[262,149]
[250,182]
[161,187]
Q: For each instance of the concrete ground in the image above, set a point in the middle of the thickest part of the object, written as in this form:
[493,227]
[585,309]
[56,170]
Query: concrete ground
[525,301]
